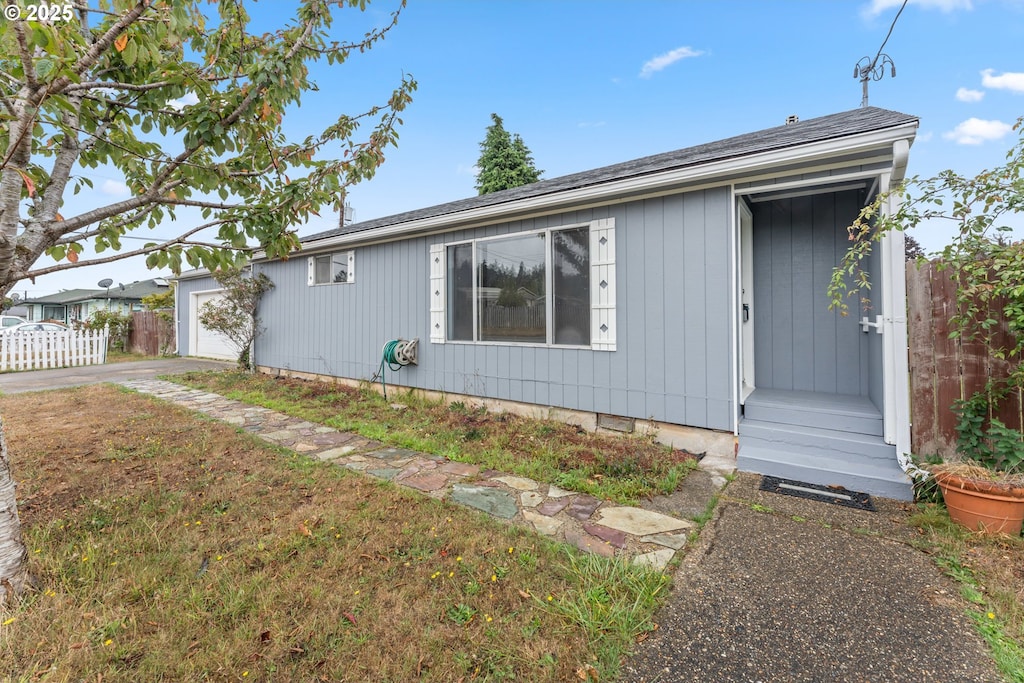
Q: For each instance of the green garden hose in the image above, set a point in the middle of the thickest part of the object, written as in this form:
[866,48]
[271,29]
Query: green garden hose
[395,355]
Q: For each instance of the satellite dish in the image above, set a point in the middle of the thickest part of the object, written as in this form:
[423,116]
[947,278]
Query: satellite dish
[105,282]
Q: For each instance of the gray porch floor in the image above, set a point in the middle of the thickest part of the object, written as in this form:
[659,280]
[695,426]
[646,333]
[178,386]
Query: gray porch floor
[815,401]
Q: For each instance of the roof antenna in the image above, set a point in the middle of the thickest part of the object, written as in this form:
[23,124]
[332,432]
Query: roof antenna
[873,69]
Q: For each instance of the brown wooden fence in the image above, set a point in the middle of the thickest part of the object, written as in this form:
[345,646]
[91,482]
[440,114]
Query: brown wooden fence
[150,334]
[943,369]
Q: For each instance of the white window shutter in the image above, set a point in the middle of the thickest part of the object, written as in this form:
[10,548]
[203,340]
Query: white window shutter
[602,285]
[351,266]
[437,294]
[310,271]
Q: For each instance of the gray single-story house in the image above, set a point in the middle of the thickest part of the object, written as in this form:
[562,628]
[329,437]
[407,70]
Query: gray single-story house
[683,292]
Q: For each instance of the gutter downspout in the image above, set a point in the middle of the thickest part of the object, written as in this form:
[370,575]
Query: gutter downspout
[897,322]
[177,320]
[252,347]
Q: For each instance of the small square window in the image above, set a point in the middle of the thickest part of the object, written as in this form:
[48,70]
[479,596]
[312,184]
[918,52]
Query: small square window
[328,269]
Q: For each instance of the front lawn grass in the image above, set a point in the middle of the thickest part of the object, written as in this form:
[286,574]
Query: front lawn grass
[990,571]
[172,547]
[624,469]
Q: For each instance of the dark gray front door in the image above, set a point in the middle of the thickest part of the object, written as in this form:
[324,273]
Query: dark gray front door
[798,343]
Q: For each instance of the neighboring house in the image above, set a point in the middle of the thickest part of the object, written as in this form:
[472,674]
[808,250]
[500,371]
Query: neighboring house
[687,290]
[79,304]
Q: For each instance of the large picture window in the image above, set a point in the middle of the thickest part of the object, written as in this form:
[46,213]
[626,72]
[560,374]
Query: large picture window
[529,288]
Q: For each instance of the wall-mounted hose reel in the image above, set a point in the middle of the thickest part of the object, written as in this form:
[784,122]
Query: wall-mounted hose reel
[395,355]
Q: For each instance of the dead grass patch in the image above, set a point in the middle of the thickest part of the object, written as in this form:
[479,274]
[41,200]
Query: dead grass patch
[172,547]
[624,469]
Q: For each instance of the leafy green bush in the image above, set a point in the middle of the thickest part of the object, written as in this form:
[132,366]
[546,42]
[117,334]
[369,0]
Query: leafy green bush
[119,324]
[983,436]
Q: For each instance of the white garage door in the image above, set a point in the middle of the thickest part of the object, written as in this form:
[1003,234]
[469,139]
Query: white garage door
[207,343]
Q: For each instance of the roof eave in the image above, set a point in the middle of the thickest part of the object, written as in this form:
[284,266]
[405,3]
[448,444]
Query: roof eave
[753,163]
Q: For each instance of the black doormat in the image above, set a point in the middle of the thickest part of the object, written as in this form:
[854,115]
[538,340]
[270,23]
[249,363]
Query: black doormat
[836,495]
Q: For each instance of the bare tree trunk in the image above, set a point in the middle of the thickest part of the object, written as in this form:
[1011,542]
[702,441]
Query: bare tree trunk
[13,557]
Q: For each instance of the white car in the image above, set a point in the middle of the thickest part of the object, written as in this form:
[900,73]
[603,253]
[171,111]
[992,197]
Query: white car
[11,320]
[33,327]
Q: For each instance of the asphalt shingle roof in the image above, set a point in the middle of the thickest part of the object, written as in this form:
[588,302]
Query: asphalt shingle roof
[833,126]
[135,290]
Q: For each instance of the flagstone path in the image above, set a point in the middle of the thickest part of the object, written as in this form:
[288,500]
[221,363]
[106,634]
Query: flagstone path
[590,524]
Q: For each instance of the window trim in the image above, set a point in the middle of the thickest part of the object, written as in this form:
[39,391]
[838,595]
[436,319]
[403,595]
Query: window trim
[311,268]
[548,281]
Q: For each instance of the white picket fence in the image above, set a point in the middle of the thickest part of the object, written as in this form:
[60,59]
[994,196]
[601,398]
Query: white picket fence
[52,349]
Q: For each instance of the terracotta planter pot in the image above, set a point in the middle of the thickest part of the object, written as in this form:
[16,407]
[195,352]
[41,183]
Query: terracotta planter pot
[982,505]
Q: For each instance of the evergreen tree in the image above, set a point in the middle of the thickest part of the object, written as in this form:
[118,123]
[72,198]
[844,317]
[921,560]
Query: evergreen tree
[504,161]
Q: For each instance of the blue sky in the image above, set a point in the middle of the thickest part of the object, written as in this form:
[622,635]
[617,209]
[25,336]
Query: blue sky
[595,82]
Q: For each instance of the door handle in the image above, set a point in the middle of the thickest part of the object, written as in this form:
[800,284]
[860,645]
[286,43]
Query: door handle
[746,312]
[866,323]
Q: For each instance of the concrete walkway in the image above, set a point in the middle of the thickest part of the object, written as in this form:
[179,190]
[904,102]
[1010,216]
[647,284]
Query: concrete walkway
[784,589]
[590,524]
[60,378]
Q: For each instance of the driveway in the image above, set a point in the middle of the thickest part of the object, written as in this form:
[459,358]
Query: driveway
[57,378]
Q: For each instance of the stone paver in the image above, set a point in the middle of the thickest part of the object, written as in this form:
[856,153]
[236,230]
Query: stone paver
[674,541]
[385,473]
[518,483]
[334,453]
[588,543]
[582,507]
[592,525]
[640,522]
[426,482]
[493,501]
[656,559]
[552,506]
[614,536]
[555,492]
[460,468]
[548,526]
[530,499]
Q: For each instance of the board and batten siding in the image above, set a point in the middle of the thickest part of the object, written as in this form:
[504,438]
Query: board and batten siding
[672,360]
[798,343]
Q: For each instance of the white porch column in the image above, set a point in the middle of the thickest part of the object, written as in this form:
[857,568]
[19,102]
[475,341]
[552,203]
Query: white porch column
[896,372]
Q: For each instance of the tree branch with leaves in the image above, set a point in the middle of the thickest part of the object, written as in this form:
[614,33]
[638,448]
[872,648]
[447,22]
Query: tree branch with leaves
[110,95]
[186,103]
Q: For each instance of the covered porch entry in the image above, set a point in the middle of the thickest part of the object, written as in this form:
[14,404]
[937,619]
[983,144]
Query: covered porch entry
[812,382]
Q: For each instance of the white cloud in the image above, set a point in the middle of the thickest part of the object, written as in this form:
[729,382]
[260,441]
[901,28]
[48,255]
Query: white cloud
[184,101]
[924,137]
[114,188]
[876,7]
[976,131]
[660,62]
[1008,80]
[467,169]
[968,95]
